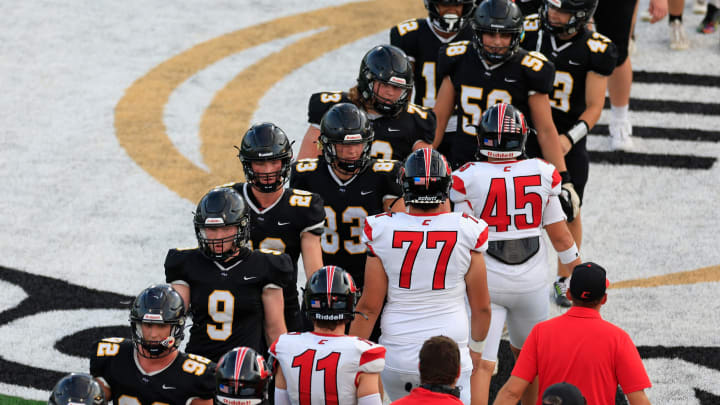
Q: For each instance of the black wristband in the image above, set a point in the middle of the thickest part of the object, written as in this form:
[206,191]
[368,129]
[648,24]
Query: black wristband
[565,176]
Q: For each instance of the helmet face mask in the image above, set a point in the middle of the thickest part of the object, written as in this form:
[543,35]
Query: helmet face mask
[346,124]
[161,305]
[261,143]
[222,208]
[426,178]
[76,389]
[241,377]
[497,16]
[386,64]
[580,12]
[330,295]
[502,132]
[449,23]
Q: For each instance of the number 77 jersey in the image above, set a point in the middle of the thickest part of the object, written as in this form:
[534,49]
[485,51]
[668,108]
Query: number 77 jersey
[425,258]
[323,369]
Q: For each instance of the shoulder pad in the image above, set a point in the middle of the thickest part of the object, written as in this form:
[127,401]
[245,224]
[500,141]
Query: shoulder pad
[407,26]
[178,255]
[457,48]
[372,356]
[108,347]
[383,165]
[321,102]
[306,165]
[532,22]
[197,365]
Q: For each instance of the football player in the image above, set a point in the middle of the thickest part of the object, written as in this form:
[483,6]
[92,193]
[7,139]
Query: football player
[517,199]
[421,40]
[352,184]
[425,262]
[150,369]
[242,378]
[326,366]
[490,69]
[383,91]
[234,293]
[583,61]
[77,389]
[287,220]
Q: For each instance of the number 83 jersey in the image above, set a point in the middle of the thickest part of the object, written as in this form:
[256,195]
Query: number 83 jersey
[323,369]
[188,376]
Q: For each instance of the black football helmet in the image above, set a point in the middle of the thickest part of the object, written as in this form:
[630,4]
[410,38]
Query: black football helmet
[219,208]
[345,123]
[241,377]
[502,16]
[502,132]
[449,22]
[580,13]
[426,178]
[390,65]
[77,389]
[330,295]
[263,142]
[158,304]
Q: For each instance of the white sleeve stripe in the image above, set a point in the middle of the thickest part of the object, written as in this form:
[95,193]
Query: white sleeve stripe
[189,400]
[271,285]
[315,125]
[320,224]
[180,282]
[104,382]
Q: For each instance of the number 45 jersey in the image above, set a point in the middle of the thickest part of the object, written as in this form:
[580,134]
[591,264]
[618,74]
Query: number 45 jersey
[188,376]
[323,369]
[516,199]
[425,258]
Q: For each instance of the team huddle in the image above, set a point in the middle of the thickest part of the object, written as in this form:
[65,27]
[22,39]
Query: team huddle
[413,220]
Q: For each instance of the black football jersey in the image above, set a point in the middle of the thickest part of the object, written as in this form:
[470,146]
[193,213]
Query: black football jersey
[279,227]
[226,298]
[347,203]
[529,7]
[586,52]
[394,137]
[422,45]
[188,376]
[479,86]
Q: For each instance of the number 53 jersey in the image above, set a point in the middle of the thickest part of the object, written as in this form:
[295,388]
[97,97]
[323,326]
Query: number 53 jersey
[425,258]
[188,376]
[323,369]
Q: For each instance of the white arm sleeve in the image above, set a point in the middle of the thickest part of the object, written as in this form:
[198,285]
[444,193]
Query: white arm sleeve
[373,399]
[282,397]
[553,211]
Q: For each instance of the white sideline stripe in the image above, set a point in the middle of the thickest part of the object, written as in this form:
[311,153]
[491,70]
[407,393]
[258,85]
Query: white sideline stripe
[659,146]
[24,392]
[186,105]
[675,92]
[667,120]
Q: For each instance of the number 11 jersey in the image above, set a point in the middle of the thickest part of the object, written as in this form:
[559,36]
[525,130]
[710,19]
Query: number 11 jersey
[323,369]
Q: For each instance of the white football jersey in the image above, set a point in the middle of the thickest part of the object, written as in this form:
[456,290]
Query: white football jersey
[516,199]
[425,258]
[320,368]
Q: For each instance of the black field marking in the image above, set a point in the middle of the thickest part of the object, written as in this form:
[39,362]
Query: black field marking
[706,398]
[687,79]
[82,343]
[671,106]
[47,294]
[652,159]
[673,134]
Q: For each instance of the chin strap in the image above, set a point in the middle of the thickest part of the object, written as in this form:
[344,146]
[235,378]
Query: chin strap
[441,388]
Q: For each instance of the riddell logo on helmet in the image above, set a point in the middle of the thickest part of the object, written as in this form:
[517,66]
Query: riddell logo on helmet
[214,221]
[237,401]
[555,3]
[398,80]
[353,137]
[265,154]
[335,317]
[152,317]
[501,155]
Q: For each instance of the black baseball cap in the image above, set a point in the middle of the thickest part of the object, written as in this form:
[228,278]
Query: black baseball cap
[588,282]
[563,394]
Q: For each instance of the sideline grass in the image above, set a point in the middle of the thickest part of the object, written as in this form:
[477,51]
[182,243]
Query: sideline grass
[6,400]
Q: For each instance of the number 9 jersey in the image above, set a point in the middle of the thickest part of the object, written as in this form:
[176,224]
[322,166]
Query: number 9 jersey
[323,369]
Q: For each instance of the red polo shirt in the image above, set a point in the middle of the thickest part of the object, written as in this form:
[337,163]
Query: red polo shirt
[421,396]
[582,349]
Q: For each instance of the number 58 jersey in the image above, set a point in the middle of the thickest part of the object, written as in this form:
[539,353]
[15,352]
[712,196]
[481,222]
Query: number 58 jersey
[425,258]
[323,369]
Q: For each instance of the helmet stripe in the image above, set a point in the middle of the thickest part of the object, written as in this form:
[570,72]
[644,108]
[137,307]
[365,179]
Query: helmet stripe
[500,120]
[428,160]
[330,275]
[238,364]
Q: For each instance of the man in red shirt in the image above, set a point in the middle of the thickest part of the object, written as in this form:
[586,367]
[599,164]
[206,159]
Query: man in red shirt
[580,348]
[439,371]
